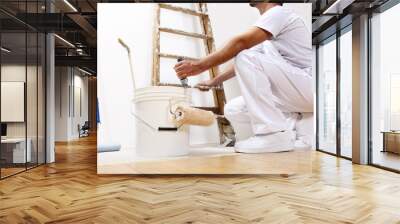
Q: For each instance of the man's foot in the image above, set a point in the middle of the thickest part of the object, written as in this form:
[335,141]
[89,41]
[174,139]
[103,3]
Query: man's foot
[300,144]
[276,142]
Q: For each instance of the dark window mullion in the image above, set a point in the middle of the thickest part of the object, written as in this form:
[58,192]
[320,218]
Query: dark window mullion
[26,88]
[369,81]
[37,90]
[338,91]
[317,96]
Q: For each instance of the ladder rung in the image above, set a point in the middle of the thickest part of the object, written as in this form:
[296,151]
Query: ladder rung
[175,56]
[184,33]
[181,9]
[169,84]
[180,85]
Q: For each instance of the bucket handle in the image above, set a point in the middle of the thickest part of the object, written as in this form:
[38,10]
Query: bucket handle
[148,123]
[140,119]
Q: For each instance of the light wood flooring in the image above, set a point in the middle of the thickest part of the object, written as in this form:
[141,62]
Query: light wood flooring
[70,191]
[10,171]
[386,159]
[221,161]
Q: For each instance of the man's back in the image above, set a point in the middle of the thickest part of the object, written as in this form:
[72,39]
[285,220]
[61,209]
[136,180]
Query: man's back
[291,37]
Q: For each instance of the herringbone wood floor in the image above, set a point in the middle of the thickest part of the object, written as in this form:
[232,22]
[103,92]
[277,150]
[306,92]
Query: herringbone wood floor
[70,191]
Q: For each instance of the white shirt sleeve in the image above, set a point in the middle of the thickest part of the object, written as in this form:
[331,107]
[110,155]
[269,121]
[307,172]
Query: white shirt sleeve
[273,21]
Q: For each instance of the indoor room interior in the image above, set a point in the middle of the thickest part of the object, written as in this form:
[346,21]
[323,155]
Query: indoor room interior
[50,123]
[23,78]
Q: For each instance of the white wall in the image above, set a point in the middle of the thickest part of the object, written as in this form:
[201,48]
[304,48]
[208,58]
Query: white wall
[61,103]
[68,82]
[33,127]
[134,23]
[80,114]
[12,73]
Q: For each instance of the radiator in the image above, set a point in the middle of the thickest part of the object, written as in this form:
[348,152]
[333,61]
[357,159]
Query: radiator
[391,142]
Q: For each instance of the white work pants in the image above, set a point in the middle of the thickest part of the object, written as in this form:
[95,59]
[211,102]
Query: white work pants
[273,92]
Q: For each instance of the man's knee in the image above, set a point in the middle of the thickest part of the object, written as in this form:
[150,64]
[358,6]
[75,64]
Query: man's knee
[235,109]
[243,58]
[230,108]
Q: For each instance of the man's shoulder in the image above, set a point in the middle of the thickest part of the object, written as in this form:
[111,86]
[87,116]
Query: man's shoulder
[290,15]
[283,12]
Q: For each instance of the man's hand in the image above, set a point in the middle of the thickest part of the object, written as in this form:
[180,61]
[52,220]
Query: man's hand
[217,80]
[187,68]
[206,85]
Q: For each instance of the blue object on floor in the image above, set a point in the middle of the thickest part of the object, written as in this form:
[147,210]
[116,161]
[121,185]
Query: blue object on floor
[108,148]
[97,112]
[105,147]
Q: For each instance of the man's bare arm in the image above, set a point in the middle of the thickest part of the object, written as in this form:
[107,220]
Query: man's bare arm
[227,74]
[241,42]
[218,80]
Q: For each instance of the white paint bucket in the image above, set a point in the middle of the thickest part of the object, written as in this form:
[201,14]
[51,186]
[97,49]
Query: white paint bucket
[152,108]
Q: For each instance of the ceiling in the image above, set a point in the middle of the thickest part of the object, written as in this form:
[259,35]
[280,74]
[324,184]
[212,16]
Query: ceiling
[76,22]
[77,25]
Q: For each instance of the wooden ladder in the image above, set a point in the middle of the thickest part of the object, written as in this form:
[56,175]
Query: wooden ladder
[225,129]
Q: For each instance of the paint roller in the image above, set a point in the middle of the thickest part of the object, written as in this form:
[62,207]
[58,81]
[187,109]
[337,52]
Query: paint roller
[186,115]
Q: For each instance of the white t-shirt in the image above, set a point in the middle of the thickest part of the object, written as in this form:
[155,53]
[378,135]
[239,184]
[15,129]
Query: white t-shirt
[291,37]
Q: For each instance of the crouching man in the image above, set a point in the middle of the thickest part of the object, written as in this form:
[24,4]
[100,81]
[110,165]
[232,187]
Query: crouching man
[272,63]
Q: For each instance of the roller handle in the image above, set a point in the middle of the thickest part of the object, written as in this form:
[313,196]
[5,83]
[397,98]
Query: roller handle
[124,45]
[130,61]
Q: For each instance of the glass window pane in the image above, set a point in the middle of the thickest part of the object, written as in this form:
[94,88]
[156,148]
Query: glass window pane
[22,90]
[32,95]
[13,86]
[346,94]
[385,83]
[327,97]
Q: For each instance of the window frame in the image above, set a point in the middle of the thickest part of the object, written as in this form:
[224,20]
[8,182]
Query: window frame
[27,29]
[334,37]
